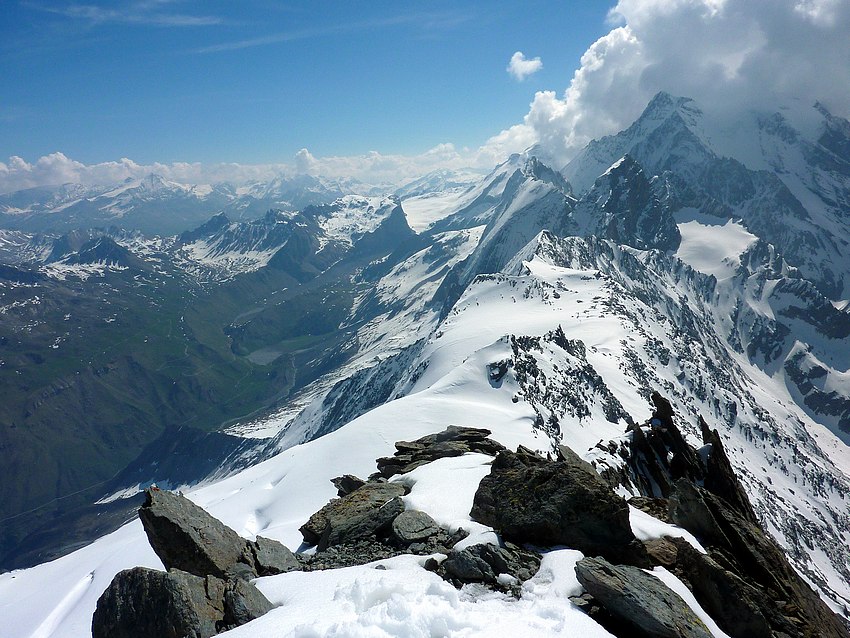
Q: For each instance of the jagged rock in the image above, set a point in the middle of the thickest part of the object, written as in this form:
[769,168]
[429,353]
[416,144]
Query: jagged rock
[720,478]
[453,441]
[635,597]
[660,455]
[531,500]
[484,563]
[347,483]
[688,509]
[412,525]
[356,515]
[728,599]
[243,603]
[186,537]
[272,557]
[744,551]
[147,603]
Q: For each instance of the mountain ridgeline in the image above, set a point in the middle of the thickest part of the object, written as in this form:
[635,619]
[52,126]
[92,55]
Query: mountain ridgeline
[706,260]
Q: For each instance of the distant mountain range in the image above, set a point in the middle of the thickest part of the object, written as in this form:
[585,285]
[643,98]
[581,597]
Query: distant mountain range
[703,260]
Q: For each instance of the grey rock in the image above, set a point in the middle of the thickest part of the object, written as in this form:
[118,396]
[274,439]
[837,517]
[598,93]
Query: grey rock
[243,602]
[146,603]
[728,599]
[453,441]
[186,537]
[356,515]
[272,557]
[483,563]
[634,597]
[347,483]
[412,525]
[531,500]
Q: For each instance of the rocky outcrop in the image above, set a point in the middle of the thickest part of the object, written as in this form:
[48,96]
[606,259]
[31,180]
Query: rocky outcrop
[529,499]
[500,567]
[745,582]
[453,441]
[357,515]
[745,571]
[635,598]
[142,602]
[145,602]
[186,537]
[206,589]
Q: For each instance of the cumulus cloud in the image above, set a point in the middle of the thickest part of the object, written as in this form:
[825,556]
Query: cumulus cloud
[728,55]
[520,67]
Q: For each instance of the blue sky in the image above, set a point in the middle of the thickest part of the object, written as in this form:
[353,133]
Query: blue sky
[256,80]
[206,91]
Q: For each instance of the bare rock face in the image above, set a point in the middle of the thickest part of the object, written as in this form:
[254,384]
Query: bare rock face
[186,537]
[529,499]
[356,515]
[146,603]
[634,597]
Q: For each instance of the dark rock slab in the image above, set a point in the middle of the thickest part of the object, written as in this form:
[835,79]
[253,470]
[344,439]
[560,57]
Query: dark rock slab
[243,603]
[529,499]
[147,603]
[412,525]
[347,483]
[186,537]
[641,600]
[453,441]
[272,557]
[483,563]
[751,566]
[356,515]
[729,600]
[720,478]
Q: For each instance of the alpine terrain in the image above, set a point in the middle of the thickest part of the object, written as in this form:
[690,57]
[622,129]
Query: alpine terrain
[607,398]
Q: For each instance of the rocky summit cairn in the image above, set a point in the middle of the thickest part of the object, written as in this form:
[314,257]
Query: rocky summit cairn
[206,589]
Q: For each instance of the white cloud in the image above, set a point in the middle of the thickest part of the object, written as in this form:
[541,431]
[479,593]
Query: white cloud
[520,67]
[371,168]
[726,54]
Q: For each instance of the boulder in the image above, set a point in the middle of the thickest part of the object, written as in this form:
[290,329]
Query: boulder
[243,603]
[272,557]
[147,603]
[529,499]
[357,515]
[485,563]
[186,537]
[412,525]
[640,600]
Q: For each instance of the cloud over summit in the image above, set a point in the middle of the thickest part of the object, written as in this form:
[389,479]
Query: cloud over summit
[728,55]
